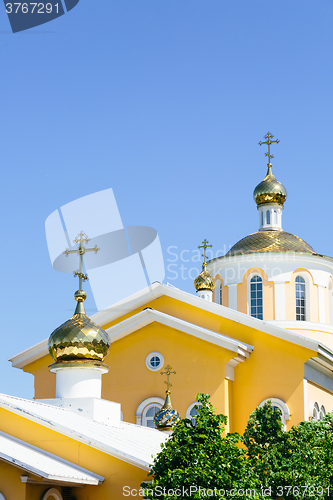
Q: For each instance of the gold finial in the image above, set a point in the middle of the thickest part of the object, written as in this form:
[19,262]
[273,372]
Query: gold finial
[168,373]
[81,238]
[269,136]
[204,246]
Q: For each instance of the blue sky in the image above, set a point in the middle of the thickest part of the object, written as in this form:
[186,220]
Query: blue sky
[165,102]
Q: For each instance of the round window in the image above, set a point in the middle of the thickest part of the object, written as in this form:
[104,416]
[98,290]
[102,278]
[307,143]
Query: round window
[154,361]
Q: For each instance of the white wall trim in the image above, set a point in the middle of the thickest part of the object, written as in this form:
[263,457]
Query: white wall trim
[305,398]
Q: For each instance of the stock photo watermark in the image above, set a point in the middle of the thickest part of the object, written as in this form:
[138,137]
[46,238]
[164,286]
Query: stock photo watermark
[186,264]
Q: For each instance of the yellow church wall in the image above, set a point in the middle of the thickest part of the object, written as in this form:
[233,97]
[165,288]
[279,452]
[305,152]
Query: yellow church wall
[117,473]
[11,485]
[200,367]
[311,293]
[320,396]
[276,370]
[44,380]
[268,294]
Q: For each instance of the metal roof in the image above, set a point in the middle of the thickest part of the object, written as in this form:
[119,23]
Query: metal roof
[43,464]
[131,443]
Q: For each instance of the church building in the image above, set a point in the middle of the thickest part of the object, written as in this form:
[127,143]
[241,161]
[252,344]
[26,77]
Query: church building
[258,327]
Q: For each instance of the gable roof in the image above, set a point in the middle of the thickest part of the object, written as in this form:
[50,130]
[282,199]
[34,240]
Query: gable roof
[42,464]
[157,290]
[148,316]
[131,443]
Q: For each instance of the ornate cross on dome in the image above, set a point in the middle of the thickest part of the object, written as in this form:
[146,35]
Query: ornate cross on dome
[168,373]
[269,136]
[205,246]
[81,250]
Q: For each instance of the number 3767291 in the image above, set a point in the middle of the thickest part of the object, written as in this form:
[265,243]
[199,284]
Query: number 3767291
[31,8]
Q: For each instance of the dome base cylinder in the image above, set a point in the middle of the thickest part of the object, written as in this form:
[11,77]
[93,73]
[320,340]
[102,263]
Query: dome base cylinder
[78,381]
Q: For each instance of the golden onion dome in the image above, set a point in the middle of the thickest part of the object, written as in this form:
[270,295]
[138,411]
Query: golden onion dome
[167,416]
[270,241]
[79,338]
[270,190]
[204,281]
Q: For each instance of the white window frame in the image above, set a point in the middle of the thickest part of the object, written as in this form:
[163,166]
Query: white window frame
[307,293]
[249,293]
[188,411]
[52,494]
[315,412]
[154,368]
[282,406]
[322,412]
[144,407]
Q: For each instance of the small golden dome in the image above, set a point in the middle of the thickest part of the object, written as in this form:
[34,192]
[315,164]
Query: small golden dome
[167,416]
[79,338]
[270,190]
[204,281]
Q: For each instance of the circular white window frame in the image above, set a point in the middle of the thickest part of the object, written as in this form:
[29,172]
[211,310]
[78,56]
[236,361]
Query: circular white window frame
[52,493]
[148,360]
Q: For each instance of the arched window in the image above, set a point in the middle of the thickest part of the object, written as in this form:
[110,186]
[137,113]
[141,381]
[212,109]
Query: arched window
[52,494]
[279,403]
[256,302]
[218,292]
[192,412]
[275,217]
[315,412]
[146,411]
[300,298]
[268,217]
[322,412]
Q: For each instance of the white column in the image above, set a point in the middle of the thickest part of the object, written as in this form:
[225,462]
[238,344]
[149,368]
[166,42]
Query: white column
[305,398]
[280,301]
[321,304]
[233,296]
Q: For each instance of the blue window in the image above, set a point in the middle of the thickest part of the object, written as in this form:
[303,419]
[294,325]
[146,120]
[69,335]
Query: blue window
[300,298]
[256,297]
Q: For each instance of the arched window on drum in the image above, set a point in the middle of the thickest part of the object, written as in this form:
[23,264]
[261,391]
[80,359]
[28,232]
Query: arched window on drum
[256,297]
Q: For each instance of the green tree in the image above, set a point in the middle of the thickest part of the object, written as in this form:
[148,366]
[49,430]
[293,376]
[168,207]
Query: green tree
[290,465]
[199,461]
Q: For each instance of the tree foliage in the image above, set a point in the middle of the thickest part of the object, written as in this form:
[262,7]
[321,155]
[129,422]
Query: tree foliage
[198,458]
[200,461]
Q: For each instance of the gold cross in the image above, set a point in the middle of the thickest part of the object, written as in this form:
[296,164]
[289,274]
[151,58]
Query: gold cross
[269,136]
[204,246]
[168,373]
[81,250]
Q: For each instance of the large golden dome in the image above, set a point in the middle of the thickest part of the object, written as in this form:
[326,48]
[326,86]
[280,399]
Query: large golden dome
[204,281]
[270,190]
[270,241]
[79,338]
